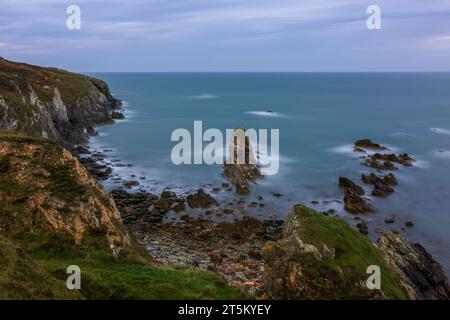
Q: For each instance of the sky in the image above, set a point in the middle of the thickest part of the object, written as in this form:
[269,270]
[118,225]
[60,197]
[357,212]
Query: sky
[228,35]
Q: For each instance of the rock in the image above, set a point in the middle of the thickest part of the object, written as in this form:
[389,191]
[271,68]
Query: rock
[130,184]
[390,219]
[241,174]
[200,199]
[215,257]
[353,200]
[358,149]
[82,150]
[382,190]
[348,184]
[331,211]
[409,224]
[379,165]
[421,275]
[381,161]
[277,194]
[362,227]
[388,179]
[314,260]
[368,144]
[117,115]
[91,132]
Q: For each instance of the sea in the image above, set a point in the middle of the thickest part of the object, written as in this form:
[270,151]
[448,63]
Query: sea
[319,117]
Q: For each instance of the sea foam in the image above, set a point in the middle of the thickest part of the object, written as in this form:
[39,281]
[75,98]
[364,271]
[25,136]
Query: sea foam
[204,96]
[440,131]
[265,114]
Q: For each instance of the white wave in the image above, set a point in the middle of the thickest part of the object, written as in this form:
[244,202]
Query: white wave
[423,164]
[204,96]
[343,149]
[348,149]
[265,114]
[401,135]
[440,131]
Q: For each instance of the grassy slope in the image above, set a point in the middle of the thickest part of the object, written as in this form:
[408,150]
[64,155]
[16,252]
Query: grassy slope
[354,252]
[42,80]
[33,262]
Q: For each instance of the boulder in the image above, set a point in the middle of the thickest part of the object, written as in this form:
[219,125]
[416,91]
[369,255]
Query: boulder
[200,199]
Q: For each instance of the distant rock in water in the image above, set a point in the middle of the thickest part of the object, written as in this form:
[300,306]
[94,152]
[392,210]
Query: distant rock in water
[368,144]
[244,169]
[421,275]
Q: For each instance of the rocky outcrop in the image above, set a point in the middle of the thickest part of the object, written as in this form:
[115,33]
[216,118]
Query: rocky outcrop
[403,159]
[43,188]
[52,103]
[322,257]
[353,200]
[367,144]
[242,171]
[421,275]
[200,199]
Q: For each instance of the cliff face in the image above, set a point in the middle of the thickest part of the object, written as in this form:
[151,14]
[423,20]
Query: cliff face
[54,214]
[52,103]
[322,257]
[43,188]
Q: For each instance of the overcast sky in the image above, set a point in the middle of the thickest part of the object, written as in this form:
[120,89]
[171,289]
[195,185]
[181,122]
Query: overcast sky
[228,35]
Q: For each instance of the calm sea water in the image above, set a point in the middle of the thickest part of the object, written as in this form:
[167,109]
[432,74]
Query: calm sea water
[319,116]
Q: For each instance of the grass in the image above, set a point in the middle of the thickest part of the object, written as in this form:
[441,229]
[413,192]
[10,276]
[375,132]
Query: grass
[34,256]
[131,275]
[354,252]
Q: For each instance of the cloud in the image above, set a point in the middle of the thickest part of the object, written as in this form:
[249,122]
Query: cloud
[196,28]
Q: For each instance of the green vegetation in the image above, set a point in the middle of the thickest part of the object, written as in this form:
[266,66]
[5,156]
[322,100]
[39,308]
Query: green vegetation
[345,254]
[132,275]
[34,255]
[43,81]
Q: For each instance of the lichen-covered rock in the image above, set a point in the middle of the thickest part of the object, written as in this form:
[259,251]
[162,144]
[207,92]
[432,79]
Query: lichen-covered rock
[322,257]
[420,274]
[44,188]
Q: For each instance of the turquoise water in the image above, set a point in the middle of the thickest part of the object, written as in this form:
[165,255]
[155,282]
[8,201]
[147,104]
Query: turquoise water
[319,116]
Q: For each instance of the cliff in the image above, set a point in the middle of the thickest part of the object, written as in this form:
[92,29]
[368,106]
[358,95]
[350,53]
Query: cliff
[322,257]
[54,214]
[52,103]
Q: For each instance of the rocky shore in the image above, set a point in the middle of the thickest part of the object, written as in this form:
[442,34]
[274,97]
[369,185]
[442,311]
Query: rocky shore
[311,255]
